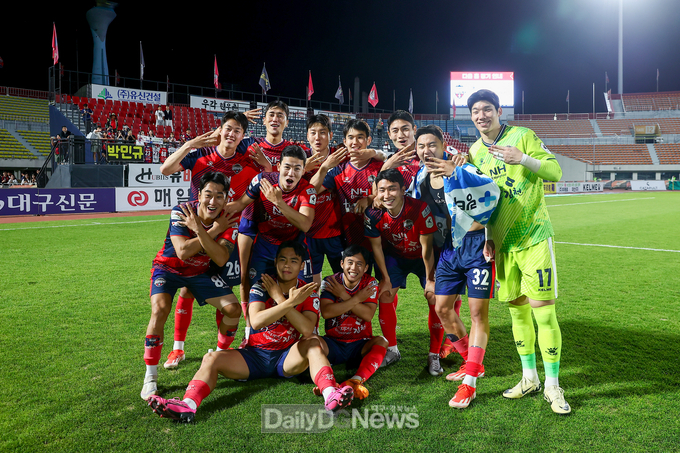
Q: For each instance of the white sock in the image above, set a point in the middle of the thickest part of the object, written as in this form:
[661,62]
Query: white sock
[219,349]
[178,345]
[357,378]
[247,333]
[432,354]
[393,348]
[471,381]
[530,373]
[191,403]
[151,370]
[552,381]
[327,392]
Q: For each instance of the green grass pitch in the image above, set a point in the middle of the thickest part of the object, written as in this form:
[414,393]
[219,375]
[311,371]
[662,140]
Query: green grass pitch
[74,309]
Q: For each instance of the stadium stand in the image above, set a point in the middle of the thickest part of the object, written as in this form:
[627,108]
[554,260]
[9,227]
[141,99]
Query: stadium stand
[606,154]
[11,148]
[642,102]
[25,109]
[669,154]
[623,126]
[558,128]
[39,140]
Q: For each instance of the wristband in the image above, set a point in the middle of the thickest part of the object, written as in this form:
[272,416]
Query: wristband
[529,162]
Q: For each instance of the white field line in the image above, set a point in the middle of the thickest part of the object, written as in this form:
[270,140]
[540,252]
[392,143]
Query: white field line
[594,202]
[619,247]
[83,225]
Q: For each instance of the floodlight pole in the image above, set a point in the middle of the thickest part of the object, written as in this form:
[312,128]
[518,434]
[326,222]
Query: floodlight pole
[620,46]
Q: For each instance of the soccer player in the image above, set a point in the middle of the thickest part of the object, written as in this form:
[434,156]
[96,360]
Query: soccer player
[521,234]
[282,310]
[401,235]
[198,233]
[462,200]
[219,150]
[324,238]
[277,207]
[266,151]
[348,302]
[401,128]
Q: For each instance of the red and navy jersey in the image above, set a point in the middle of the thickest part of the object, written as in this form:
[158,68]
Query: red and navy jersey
[272,225]
[167,259]
[271,152]
[351,185]
[280,334]
[204,160]
[349,327]
[326,214]
[401,233]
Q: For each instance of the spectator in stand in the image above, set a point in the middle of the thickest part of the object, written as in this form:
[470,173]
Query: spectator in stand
[160,117]
[379,128]
[12,179]
[34,179]
[130,137]
[168,117]
[120,135]
[151,135]
[186,136]
[112,122]
[63,144]
[4,177]
[95,138]
[86,111]
[386,147]
[171,140]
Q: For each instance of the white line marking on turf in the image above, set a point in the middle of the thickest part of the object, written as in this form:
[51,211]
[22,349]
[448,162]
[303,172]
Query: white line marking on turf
[606,201]
[619,247]
[83,224]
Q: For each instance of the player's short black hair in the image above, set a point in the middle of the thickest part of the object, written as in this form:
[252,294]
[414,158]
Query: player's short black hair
[358,124]
[236,116]
[277,104]
[391,175]
[430,129]
[357,250]
[484,95]
[400,115]
[297,247]
[216,177]
[296,152]
[319,119]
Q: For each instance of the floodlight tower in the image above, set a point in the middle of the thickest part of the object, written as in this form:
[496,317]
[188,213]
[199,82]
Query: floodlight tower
[99,19]
[620,46]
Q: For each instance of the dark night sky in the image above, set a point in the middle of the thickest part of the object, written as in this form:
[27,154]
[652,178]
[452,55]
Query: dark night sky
[551,45]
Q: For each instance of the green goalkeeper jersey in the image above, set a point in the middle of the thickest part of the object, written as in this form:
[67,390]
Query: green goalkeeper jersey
[521,218]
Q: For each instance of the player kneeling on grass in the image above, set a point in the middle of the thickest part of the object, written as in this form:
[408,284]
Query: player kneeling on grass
[401,235]
[281,311]
[199,232]
[348,302]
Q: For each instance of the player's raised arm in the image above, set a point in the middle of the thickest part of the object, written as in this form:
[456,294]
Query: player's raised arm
[173,163]
[355,304]
[333,160]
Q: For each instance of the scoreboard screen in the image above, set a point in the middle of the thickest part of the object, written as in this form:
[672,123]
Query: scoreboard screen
[463,84]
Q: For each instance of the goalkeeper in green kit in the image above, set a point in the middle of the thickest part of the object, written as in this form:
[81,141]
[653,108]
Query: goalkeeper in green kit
[521,233]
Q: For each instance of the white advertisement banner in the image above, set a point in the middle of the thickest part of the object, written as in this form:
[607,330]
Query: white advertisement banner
[150,199]
[648,185]
[579,187]
[149,175]
[129,94]
[224,105]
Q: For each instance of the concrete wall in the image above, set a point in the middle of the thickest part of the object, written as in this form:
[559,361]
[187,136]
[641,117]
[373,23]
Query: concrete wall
[572,170]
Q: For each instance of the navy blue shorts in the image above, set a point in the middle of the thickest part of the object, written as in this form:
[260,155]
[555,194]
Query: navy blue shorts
[203,286]
[263,257]
[344,352]
[399,268]
[231,271]
[264,363]
[325,247]
[466,267]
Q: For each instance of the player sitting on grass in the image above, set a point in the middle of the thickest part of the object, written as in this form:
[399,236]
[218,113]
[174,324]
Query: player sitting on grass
[401,235]
[281,311]
[348,302]
[199,232]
